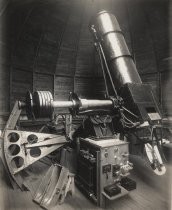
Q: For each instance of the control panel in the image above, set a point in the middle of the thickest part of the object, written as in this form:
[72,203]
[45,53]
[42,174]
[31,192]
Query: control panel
[114,162]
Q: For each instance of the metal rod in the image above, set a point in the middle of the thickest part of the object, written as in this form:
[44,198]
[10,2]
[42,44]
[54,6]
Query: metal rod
[94,104]
[84,104]
[63,104]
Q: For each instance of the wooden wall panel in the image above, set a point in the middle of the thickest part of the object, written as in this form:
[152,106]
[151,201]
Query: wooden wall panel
[105,5]
[21,83]
[84,87]
[66,62]
[69,46]
[5,56]
[4,88]
[62,87]
[54,27]
[97,69]
[24,55]
[166,82]
[46,59]
[99,88]
[31,29]
[85,54]
[158,22]
[3,4]
[152,79]
[43,82]
[142,42]
[4,67]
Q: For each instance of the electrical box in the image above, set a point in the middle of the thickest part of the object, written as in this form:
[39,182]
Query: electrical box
[102,164]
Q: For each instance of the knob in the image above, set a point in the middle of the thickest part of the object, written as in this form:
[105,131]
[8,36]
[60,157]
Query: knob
[106,154]
[115,149]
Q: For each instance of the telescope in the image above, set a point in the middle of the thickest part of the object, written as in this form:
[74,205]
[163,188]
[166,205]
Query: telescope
[126,95]
[128,116]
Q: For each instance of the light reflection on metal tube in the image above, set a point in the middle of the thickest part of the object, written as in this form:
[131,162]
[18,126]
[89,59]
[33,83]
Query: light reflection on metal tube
[119,59]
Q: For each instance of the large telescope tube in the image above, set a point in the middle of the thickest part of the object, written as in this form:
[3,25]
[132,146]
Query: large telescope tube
[118,57]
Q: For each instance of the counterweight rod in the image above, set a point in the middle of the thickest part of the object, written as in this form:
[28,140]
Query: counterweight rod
[41,106]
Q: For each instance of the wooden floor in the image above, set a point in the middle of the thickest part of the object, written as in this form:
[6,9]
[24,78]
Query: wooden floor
[152,193]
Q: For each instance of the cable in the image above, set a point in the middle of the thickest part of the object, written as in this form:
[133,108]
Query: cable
[128,124]
[101,61]
[103,57]
[127,118]
[129,112]
[107,68]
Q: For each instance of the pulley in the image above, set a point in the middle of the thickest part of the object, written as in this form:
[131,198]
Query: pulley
[38,104]
[42,104]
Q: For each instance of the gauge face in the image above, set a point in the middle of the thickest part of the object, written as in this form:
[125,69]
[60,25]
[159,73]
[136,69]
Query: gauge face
[155,159]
